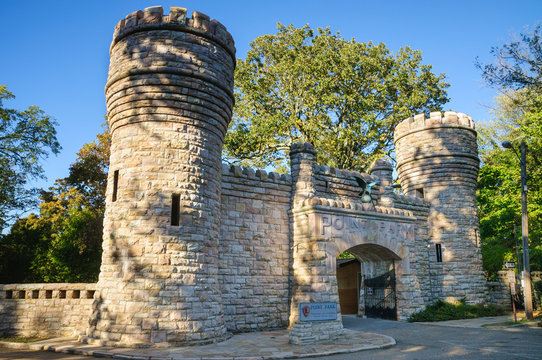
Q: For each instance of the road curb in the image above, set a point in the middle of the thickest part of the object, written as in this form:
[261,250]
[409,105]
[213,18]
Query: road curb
[69,346]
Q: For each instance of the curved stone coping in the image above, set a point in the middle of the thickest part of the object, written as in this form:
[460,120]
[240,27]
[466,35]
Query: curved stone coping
[435,120]
[255,174]
[455,158]
[351,207]
[151,70]
[254,346]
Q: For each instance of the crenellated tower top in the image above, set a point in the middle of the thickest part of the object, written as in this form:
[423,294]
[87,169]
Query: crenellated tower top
[436,119]
[153,18]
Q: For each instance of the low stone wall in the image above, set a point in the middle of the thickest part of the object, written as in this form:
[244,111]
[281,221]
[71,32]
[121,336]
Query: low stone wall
[499,291]
[45,309]
[499,294]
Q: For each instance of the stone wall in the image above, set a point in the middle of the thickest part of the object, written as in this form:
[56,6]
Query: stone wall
[499,290]
[254,248]
[45,310]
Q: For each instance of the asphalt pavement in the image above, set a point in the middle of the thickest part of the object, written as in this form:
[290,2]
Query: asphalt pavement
[440,341]
[454,340]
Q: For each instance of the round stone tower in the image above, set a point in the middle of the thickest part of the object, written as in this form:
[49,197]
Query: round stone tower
[169,101]
[437,159]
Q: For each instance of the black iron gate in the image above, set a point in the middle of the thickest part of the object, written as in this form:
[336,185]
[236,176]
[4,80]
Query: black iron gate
[380,296]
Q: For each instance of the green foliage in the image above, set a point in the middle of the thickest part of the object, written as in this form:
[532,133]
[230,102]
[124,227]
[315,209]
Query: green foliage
[19,248]
[63,243]
[343,97]
[442,311]
[518,117]
[26,138]
[345,255]
[517,64]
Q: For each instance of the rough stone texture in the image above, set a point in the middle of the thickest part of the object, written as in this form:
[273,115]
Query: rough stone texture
[329,218]
[499,290]
[193,248]
[45,310]
[439,157]
[169,100]
[254,249]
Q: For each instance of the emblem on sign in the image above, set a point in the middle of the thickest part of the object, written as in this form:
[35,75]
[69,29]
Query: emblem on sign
[306,310]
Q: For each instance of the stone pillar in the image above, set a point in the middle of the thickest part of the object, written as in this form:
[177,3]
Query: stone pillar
[169,100]
[302,156]
[383,170]
[437,159]
[313,264]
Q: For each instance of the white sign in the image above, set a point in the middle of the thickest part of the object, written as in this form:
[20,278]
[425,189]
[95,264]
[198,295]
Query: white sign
[509,265]
[318,311]
[511,276]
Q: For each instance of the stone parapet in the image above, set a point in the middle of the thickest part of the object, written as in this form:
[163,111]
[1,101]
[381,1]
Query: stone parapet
[351,206]
[153,18]
[420,122]
[45,309]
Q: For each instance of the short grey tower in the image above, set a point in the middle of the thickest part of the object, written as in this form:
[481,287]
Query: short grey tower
[437,159]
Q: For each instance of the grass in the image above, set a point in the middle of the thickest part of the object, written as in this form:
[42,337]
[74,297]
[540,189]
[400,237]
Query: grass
[22,339]
[442,311]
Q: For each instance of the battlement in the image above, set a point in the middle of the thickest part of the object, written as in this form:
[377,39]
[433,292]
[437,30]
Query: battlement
[351,205]
[259,174]
[153,18]
[436,119]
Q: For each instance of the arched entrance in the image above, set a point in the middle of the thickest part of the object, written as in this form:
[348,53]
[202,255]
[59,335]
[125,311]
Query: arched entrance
[321,233]
[367,281]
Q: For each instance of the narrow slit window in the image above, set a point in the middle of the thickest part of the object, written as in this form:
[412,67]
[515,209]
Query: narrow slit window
[115,185]
[175,209]
[419,193]
[439,252]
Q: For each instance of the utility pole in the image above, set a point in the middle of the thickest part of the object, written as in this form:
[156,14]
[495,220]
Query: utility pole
[525,235]
[526,274]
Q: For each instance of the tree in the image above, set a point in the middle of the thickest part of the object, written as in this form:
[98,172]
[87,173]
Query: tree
[517,73]
[343,97]
[518,64]
[63,243]
[26,138]
[498,195]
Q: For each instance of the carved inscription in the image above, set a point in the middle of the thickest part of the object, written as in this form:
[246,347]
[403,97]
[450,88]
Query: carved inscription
[370,230]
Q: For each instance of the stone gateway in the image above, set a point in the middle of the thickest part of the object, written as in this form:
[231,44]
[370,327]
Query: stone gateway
[194,250]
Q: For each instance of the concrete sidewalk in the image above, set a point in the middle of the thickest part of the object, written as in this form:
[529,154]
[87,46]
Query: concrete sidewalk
[254,346]
[485,322]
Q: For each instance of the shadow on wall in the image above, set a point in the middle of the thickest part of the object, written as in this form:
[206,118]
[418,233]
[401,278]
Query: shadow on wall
[442,167]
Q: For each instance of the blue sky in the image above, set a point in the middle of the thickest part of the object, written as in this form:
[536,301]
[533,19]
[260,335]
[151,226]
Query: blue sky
[54,54]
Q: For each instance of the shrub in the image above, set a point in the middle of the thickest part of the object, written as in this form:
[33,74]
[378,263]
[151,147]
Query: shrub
[442,311]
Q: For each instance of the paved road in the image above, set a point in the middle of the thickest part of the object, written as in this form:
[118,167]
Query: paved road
[31,355]
[418,341]
[414,341]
